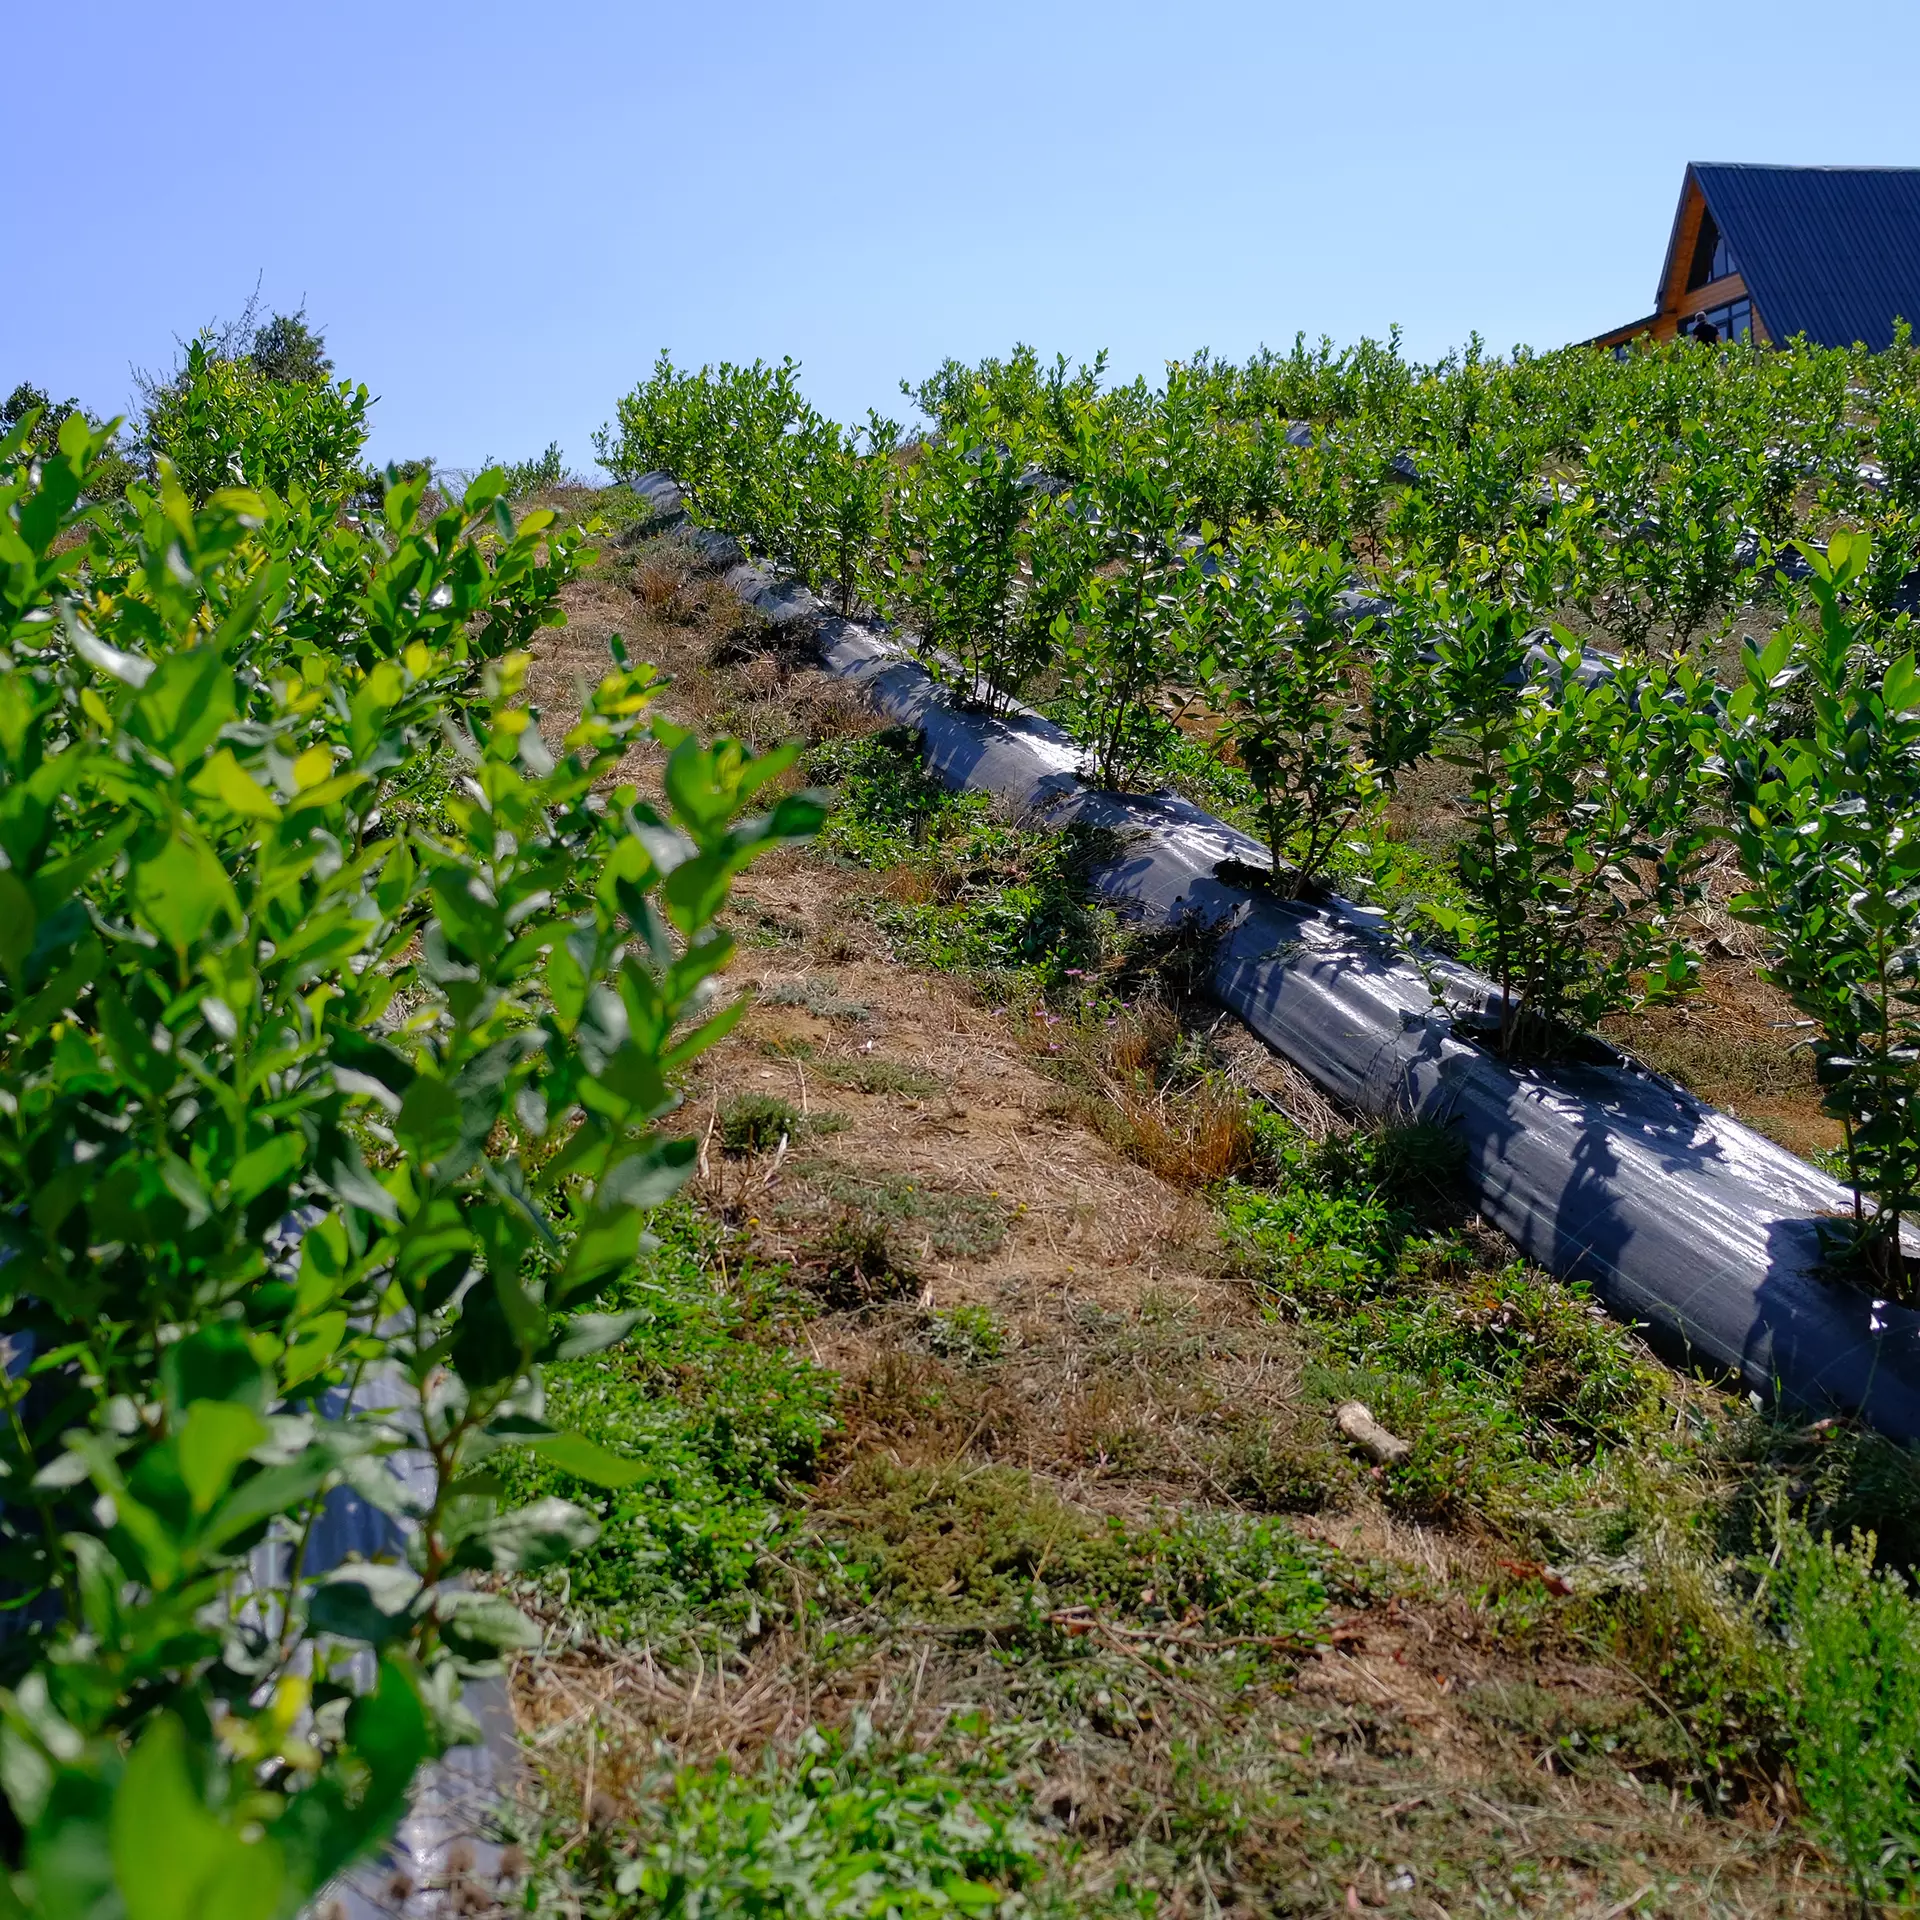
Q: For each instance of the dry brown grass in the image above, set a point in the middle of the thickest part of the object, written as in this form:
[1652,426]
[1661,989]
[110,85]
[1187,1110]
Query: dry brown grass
[1140,1378]
[1193,1137]
[1401,1763]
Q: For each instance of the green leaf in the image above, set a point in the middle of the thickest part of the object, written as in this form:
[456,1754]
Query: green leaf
[265,1166]
[575,1454]
[796,816]
[186,701]
[696,889]
[172,1858]
[312,1349]
[529,1538]
[1901,687]
[224,781]
[388,1729]
[271,1491]
[369,1602]
[217,1436]
[214,1364]
[374,1058]
[131,669]
[604,1245]
[589,1333]
[648,1177]
[483,1625]
[475,927]
[181,890]
[429,1118]
[17,923]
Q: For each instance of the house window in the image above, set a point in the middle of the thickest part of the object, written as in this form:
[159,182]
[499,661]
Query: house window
[1712,257]
[1731,322]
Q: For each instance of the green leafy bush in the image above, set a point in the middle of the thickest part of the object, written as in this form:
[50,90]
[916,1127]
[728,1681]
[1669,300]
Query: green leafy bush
[110,474]
[225,423]
[544,471]
[243,1007]
[1826,811]
[844,495]
[1279,665]
[957,564]
[1126,639]
[286,348]
[755,460]
[1660,530]
[1585,816]
[1049,403]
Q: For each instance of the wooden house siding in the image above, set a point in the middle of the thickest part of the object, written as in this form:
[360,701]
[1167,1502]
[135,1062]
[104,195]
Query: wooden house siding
[1679,307]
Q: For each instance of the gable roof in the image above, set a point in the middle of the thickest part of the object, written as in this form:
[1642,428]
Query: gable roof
[1831,252]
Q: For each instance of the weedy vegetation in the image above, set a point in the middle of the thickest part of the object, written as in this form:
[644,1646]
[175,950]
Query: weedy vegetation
[870,1335]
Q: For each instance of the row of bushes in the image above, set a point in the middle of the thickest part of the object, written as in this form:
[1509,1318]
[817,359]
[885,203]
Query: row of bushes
[330,1107]
[1048,538]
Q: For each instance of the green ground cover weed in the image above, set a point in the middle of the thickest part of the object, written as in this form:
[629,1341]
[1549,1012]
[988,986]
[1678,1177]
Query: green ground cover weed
[706,1392]
[972,895]
[841,1830]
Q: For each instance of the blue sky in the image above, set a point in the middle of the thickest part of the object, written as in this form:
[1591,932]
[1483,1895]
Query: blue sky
[499,215]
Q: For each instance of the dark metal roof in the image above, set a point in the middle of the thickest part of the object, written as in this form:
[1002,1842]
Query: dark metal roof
[1831,252]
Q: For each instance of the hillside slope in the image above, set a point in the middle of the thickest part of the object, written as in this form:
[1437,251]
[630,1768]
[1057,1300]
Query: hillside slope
[1007,1534]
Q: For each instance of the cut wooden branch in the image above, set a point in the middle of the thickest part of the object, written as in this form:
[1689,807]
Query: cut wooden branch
[1385,1449]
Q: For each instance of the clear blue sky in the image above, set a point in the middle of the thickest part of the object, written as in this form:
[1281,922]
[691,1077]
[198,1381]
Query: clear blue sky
[498,214]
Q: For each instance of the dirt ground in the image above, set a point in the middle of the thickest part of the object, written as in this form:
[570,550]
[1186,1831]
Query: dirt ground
[1434,1756]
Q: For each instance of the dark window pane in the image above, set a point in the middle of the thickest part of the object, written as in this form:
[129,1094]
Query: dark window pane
[1704,249]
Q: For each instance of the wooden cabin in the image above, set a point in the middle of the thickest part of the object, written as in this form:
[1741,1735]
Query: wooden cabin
[1767,253]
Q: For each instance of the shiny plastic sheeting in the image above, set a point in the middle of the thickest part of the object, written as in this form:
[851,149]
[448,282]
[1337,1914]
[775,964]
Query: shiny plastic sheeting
[443,1858]
[1679,1217]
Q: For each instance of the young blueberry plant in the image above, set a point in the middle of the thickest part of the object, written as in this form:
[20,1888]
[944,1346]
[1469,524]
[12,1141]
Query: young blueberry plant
[1826,811]
[954,565]
[1660,531]
[1279,666]
[844,491]
[741,441]
[1127,637]
[324,1122]
[1585,815]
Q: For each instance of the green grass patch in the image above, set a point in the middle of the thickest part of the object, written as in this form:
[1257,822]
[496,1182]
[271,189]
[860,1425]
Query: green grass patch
[757,1122]
[969,1334]
[844,1828]
[1509,1384]
[1194,770]
[970,895]
[887,806]
[708,1395]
